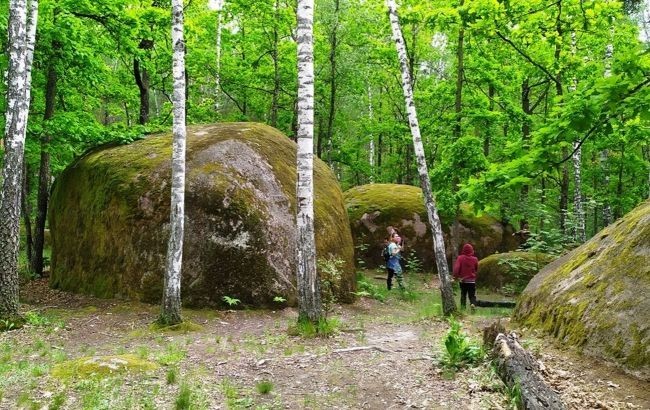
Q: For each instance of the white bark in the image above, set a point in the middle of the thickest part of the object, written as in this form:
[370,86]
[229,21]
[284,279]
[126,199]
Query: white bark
[371,151]
[217,97]
[21,37]
[578,209]
[309,298]
[171,304]
[604,155]
[448,304]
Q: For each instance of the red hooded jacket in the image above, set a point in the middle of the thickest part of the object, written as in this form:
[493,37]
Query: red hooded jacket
[466,265]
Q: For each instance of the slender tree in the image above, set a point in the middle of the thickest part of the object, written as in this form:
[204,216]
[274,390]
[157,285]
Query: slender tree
[21,36]
[578,210]
[448,305]
[217,96]
[309,298]
[171,303]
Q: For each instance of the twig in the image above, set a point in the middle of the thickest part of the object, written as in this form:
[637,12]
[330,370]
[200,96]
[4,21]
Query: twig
[360,348]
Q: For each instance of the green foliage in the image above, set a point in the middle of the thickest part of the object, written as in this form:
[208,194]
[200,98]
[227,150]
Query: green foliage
[184,398]
[264,387]
[460,351]
[513,396]
[279,299]
[329,272]
[322,328]
[368,289]
[172,375]
[231,301]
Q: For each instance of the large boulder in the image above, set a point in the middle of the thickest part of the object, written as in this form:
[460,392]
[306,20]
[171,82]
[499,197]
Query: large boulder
[109,218]
[510,272]
[374,208]
[596,296]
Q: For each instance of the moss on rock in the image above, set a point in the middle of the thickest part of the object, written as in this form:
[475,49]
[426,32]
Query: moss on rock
[510,272]
[101,366]
[373,208]
[596,296]
[109,218]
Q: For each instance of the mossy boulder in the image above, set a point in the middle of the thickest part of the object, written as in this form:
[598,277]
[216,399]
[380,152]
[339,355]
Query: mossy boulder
[510,272]
[596,296]
[373,208]
[109,218]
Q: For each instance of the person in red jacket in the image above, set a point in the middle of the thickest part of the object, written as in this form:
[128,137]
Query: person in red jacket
[465,270]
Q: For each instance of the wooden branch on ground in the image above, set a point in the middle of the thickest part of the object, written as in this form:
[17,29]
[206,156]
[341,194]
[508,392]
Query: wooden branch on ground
[360,348]
[517,367]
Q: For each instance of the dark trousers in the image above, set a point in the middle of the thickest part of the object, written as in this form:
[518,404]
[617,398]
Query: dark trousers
[465,290]
[389,279]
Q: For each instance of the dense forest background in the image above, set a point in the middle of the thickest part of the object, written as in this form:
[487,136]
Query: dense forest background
[534,110]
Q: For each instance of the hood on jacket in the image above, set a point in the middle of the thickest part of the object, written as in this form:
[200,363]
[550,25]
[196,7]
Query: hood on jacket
[468,250]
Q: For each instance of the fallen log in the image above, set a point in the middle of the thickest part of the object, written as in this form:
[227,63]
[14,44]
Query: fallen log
[517,367]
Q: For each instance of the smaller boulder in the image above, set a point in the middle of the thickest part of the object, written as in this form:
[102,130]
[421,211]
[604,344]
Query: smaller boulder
[510,272]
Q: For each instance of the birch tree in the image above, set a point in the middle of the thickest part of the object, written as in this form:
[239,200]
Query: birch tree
[171,303]
[21,36]
[309,298]
[448,305]
[578,210]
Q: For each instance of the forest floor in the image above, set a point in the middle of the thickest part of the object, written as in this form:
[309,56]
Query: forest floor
[72,355]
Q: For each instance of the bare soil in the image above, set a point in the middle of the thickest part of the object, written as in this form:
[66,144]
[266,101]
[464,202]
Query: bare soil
[385,356]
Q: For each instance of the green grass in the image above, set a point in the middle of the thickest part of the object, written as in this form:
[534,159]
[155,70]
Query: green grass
[184,398]
[172,375]
[264,387]
[308,329]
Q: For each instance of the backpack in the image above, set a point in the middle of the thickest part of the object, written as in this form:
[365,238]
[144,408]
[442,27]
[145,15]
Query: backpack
[385,254]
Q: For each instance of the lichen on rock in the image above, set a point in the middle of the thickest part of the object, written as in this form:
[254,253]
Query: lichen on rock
[596,296]
[373,208]
[109,218]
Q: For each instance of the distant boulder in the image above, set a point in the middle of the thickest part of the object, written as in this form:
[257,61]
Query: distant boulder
[596,296]
[375,207]
[510,272]
[109,219]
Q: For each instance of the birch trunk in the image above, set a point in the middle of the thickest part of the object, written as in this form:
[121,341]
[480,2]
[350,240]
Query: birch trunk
[171,303]
[217,94]
[309,298]
[22,32]
[371,150]
[448,305]
[578,210]
[604,155]
[275,101]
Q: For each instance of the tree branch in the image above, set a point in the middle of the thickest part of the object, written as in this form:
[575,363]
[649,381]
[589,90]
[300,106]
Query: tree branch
[530,60]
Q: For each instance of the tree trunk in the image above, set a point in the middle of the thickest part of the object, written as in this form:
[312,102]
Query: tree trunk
[27,213]
[217,93]
[519,368]
[604,155]
[22,33]
[332,81]
[448,305]
[460,67]
[142,80]
[276,67]
[309,297]
[578,210]
[44,174]
[371,147]
[171,302]
[487,139]
[564,182]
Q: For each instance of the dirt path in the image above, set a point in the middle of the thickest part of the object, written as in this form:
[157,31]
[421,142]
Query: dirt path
[385,357]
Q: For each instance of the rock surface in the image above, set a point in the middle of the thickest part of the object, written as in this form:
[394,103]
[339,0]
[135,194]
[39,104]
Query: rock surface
[510,272]
[373,208]
[109,218]
[596,296]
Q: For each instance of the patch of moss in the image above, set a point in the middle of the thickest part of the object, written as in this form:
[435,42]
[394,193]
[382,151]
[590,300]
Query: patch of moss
[101,366]
[183,327]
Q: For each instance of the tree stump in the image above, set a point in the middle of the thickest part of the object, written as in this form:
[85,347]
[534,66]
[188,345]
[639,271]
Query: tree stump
[516,366]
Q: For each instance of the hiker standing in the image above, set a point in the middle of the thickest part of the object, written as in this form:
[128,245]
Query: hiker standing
[465,270]
[393,266]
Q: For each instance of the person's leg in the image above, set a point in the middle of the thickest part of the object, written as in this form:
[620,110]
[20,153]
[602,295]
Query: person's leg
[471,289]
[463,294]
[389,279]
[400,278]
